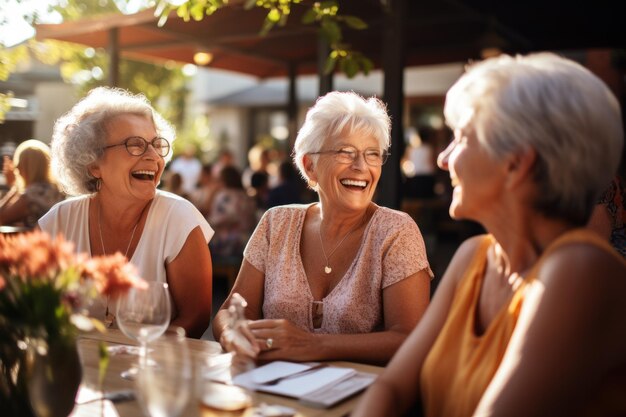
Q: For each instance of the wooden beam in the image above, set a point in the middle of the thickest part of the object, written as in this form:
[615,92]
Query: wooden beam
[325,80]
[292,105]
[390,185]
[114,57]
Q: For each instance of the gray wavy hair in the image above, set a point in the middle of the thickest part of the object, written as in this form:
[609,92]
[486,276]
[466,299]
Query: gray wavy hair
[338,114]
[554,106]
[79,136]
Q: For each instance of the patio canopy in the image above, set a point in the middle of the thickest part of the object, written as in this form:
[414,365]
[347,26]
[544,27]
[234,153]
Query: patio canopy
[400,33]
[436,32]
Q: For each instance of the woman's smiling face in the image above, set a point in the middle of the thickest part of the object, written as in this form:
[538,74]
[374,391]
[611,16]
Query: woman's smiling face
[477,178]
[123,174]
[349,186]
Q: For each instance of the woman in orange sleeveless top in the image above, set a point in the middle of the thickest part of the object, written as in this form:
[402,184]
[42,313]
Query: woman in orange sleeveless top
[529,319]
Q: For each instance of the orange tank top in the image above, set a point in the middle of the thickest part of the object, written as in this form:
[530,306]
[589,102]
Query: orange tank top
[460,365]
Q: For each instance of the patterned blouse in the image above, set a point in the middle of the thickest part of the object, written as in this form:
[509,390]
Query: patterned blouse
[614,198]
[391,250]
[40,197]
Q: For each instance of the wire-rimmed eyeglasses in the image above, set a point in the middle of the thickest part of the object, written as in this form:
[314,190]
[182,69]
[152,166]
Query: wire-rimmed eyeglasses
[137,146]
[348,154]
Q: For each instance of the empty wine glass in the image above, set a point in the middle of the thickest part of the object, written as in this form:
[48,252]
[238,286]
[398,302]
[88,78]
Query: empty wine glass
[143,314]
[164,387]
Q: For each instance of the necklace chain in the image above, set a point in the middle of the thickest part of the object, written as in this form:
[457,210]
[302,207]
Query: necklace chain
[327,268]
[104,252]
[109,318]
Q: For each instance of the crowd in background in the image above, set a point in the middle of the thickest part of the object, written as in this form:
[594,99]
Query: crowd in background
[234,200]
[231,199]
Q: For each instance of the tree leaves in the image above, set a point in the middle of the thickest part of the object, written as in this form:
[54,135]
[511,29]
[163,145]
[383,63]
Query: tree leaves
[324,14]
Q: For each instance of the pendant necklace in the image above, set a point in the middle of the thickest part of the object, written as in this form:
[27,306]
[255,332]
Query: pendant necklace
[109,317]
[327,268]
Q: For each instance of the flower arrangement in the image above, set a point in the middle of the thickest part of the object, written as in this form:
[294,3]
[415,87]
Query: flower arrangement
[45,290]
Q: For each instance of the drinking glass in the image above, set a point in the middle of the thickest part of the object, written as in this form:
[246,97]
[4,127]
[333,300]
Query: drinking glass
[143,314]
[164,387]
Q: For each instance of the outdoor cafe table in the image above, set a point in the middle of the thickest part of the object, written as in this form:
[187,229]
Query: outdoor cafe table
[88,348]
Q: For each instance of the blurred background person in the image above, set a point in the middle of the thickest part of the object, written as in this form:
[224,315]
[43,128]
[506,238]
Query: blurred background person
[259,191]
[528,319]
[225,158]
[232,215]
[188,166]
[207,185]
[258,161]
[418,164]
[173,183]
[33,189]
[289,187]
[110,151]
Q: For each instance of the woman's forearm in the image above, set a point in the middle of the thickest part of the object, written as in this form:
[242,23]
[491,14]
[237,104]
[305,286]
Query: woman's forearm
[379,400]
[375,348]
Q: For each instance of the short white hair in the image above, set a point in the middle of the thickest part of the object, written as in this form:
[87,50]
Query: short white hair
[554,106]
[338,114]
[79,136]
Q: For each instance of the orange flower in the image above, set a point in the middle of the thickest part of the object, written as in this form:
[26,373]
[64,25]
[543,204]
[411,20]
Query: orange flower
[44,283]
[112,275]
[34,255]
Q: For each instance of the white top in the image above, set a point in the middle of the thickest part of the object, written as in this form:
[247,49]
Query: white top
[170,221]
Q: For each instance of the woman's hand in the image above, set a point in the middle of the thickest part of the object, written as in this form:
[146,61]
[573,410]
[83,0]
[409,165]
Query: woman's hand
[241,341]
[281,339]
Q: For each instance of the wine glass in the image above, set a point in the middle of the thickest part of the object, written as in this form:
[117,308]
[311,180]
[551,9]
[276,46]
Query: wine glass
[164,387]
[143,314]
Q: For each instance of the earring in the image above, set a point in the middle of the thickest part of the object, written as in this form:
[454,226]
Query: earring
[312,184]
[98,184]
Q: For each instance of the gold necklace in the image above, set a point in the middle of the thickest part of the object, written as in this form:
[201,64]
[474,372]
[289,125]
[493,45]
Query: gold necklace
[327,268]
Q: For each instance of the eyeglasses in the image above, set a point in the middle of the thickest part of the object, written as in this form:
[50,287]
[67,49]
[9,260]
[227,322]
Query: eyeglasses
[137,146]
[348,154]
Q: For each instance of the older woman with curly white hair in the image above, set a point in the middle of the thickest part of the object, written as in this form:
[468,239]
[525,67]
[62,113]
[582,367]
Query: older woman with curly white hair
[529,319]
[110,150]
[342,278]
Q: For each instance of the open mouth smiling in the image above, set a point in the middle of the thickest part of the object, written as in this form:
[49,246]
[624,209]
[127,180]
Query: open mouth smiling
[354,184]
[144,175]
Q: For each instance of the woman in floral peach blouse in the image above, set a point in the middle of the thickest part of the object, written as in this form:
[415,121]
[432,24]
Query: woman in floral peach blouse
[342,278]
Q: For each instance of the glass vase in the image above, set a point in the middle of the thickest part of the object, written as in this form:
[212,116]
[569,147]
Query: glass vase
[53,375]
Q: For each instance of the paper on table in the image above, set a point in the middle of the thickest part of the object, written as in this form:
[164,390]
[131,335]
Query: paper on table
[104,408]
[276,369]
[297,386]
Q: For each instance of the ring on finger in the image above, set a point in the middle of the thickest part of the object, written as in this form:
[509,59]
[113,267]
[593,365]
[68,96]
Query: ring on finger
[269,342]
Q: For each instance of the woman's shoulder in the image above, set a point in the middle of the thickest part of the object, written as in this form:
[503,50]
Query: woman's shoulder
[387,213]
[286,211]
[166,199]
[66,211]
[80,202]
[392,221]
[581,252]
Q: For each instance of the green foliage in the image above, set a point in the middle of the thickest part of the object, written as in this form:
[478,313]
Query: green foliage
[195,9]
[87,68]
[325,14]
[5,104]
[9,60]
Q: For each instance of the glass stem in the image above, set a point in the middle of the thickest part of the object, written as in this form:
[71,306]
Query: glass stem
[143,355]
